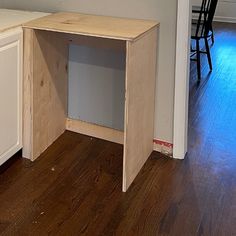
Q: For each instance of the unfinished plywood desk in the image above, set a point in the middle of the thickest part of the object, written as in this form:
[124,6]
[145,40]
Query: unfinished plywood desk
[45,82]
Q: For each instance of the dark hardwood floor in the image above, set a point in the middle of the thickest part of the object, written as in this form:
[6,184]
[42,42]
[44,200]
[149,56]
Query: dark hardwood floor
[74,188]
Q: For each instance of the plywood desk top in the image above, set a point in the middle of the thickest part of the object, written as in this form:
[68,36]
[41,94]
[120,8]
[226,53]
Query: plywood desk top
[91,25]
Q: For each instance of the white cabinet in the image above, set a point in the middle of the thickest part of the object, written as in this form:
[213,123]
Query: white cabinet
[10,93]
[11,54]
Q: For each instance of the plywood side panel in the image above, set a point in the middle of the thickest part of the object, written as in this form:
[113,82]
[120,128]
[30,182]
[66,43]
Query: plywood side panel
[46,77]
[140,102]
[50,89]
[29,38]
[96,131]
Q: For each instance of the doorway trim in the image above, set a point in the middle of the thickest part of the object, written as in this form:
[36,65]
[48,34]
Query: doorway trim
[181,96]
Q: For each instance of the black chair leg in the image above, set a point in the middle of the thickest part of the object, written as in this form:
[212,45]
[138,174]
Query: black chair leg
[208,53]
[198,60]
[212,35]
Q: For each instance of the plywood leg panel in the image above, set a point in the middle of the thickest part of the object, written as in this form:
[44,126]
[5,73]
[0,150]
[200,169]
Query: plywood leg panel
[28,93]
[45,96]
[140,103]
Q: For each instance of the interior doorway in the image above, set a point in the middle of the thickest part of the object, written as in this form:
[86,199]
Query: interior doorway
[211,101]
[212,107]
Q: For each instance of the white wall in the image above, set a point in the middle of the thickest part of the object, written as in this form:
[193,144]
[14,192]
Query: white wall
[225,12]
[97,86]
[163,11]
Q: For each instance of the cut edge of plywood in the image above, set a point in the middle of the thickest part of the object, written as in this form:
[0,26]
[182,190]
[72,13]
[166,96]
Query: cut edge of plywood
[28,94]
[97,131]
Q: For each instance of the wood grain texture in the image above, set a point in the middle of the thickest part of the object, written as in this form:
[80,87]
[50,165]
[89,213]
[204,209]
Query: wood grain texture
[46,76]
[96,131]
[45,99]
[139,104]
[91,25]
[96,42]
[29,37]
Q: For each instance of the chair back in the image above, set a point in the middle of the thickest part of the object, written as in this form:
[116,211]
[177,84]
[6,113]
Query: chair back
[205,18]
[212,10]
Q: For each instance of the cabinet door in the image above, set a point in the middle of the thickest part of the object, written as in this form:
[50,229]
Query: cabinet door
[10,93]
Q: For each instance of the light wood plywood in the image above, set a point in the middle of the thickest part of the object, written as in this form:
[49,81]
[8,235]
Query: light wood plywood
[45,83]
[96,42]
[140,100]
[29,38]
[45,90]
[91,25]
[96,131]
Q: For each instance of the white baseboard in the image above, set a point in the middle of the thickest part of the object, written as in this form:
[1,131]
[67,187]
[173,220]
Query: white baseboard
[225,19]
[221,19]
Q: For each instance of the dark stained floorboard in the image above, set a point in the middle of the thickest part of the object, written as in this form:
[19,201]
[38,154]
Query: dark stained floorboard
[74,188]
